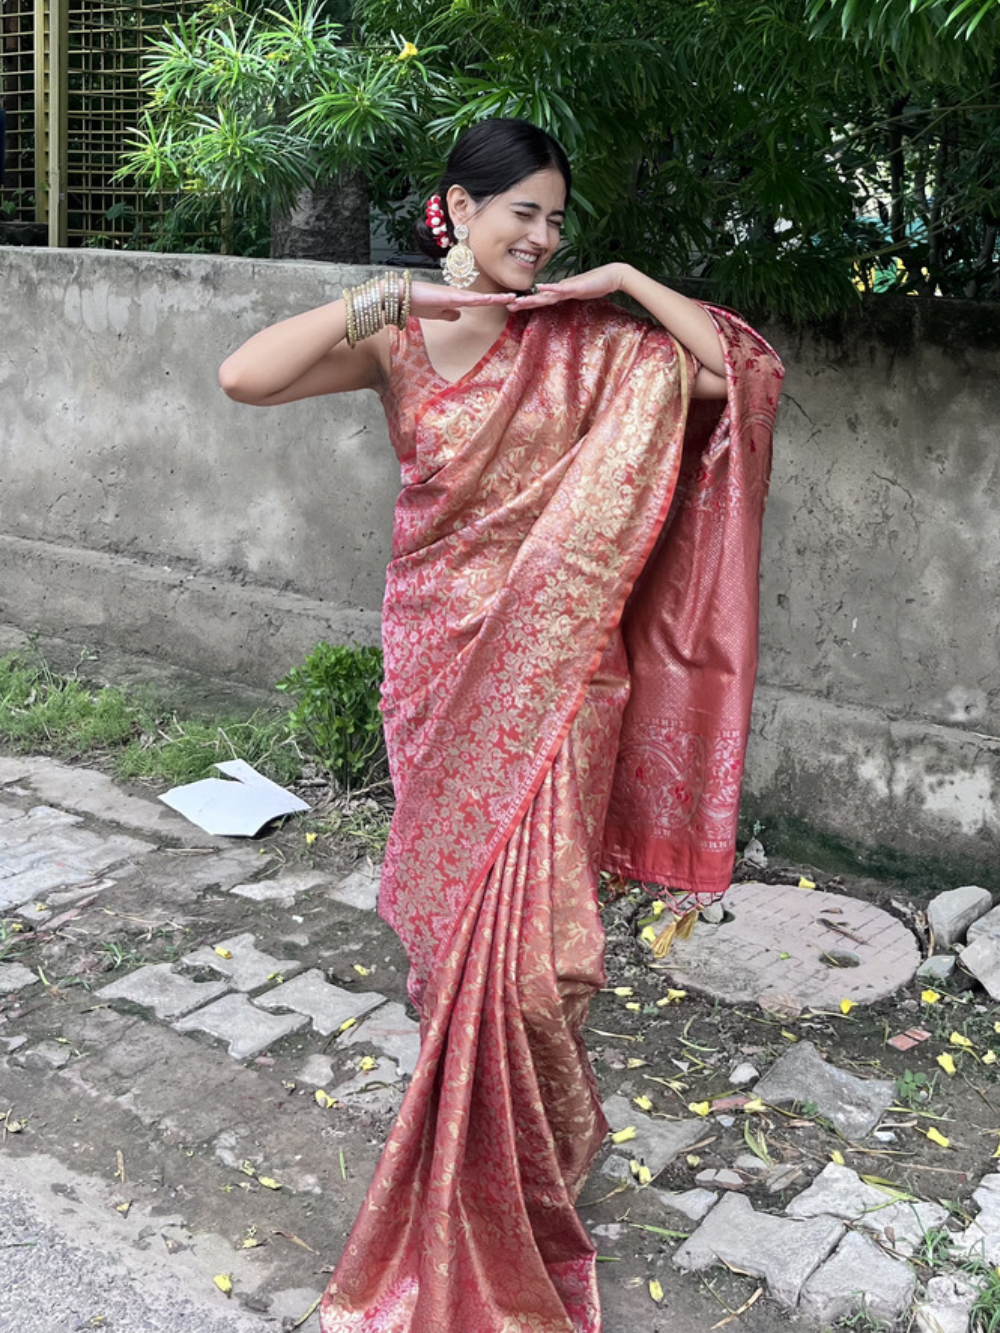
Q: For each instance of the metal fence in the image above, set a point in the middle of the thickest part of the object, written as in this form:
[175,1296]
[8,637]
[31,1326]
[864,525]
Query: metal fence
[69,86]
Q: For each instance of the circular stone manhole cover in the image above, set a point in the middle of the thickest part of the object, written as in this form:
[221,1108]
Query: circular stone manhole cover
[789,948]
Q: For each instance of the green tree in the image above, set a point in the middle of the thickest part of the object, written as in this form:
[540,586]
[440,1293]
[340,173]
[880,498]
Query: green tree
[782,151]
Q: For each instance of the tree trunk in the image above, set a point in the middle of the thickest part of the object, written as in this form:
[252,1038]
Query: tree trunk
[329,223]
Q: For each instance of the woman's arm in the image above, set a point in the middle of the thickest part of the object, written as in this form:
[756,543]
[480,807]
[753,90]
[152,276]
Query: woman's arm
[309,354]
[683,319]
[301,357]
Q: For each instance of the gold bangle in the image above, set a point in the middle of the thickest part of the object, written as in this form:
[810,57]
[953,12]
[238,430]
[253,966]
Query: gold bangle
[390,298]
[404,313]
[352,328]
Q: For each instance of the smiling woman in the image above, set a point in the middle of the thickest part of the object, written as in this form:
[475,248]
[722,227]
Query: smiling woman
[569,632]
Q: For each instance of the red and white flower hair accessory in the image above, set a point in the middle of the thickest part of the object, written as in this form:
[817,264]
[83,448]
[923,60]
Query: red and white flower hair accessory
[434,214]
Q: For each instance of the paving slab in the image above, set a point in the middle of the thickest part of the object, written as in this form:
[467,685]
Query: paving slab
[693,1204]
[88,792]
[981,1239]
[657,1142]
[859,1276]
[366,1079]
[48,851]
[840,1192]
[158,987]
[981,957]
[246,1029]
[283,889]
[179,875]
[783,1251]
[392,1031]
[947,1304]
[985,925]
[854,1105]
[359,889]
[950,914]
[15,977]
[248,968]
[779,944]
[328,1006]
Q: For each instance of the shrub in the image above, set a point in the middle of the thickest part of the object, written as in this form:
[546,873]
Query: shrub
[336,714]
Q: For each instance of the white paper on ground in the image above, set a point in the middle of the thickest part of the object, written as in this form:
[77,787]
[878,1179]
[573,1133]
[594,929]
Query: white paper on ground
[234,809]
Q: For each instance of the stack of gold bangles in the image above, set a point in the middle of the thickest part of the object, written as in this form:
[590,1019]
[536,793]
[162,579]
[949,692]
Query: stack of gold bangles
[376,303]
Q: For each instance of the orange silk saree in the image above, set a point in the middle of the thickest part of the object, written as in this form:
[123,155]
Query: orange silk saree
[570,629]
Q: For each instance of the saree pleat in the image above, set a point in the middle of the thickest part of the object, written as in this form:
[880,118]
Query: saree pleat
[470,1222]
[523,690]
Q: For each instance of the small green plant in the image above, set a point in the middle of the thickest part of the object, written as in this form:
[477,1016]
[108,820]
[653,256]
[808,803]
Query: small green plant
[985,1314]
[913,1089]
[935,1248]
[862,1321]
[336,713]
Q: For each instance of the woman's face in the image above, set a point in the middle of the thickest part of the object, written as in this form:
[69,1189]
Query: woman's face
[514,234]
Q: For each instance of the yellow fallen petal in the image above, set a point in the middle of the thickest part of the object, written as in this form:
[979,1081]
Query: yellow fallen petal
[648,935]
[837,1157]
[269,1183]
[643,1103]
[251,1242]
[997,1153]
[846,1006]
[693,1159]
[655,1290]
[348,1023]
[275,976]
[789,1035]
[930,996]
[671,997]
[623,1135]
[996,1026]
[623,990]
[806,883]
[754,1104]
[224,1282]
[368,1063]
[957,1039]
[659,907]
[946,1063]
[633,1062]
[324,1099]
[223,953]
[361,970]
[248,1168]
[642,1173]
[990,1058]
[699,1108]
[636,1008]
[123,1208]
[311,838]
[937,1137]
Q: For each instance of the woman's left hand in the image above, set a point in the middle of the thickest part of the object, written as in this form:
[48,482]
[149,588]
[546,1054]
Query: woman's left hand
[587,286]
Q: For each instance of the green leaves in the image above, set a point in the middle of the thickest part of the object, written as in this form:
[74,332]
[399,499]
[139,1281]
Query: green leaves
[336,712]
[784,153]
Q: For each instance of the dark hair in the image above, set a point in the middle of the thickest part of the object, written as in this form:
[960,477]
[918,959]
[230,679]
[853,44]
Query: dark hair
[490,157]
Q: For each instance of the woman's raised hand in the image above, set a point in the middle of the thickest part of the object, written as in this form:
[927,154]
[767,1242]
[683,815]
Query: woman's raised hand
[587,286]
[428,300]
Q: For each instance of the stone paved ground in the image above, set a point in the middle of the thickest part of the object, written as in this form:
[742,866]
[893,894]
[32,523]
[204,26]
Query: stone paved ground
[203,1043]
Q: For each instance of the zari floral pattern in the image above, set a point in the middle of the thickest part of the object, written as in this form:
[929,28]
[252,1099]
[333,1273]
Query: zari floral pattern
[549,499]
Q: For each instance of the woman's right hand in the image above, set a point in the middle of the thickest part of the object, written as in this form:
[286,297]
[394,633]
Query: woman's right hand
[430,300]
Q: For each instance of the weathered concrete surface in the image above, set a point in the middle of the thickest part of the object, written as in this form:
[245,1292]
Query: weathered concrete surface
[879,705]
[776,945]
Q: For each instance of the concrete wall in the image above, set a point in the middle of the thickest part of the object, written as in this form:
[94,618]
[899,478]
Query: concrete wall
[140,507]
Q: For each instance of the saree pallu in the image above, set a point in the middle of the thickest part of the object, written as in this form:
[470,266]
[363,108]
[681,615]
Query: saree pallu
[570,641]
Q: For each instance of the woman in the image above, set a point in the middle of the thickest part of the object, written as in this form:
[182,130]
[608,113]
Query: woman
[570,538]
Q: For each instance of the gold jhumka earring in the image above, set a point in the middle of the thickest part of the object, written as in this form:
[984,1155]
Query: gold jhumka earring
[459,263]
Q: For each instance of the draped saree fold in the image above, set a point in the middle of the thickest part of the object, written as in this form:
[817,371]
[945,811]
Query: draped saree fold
[570,636]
